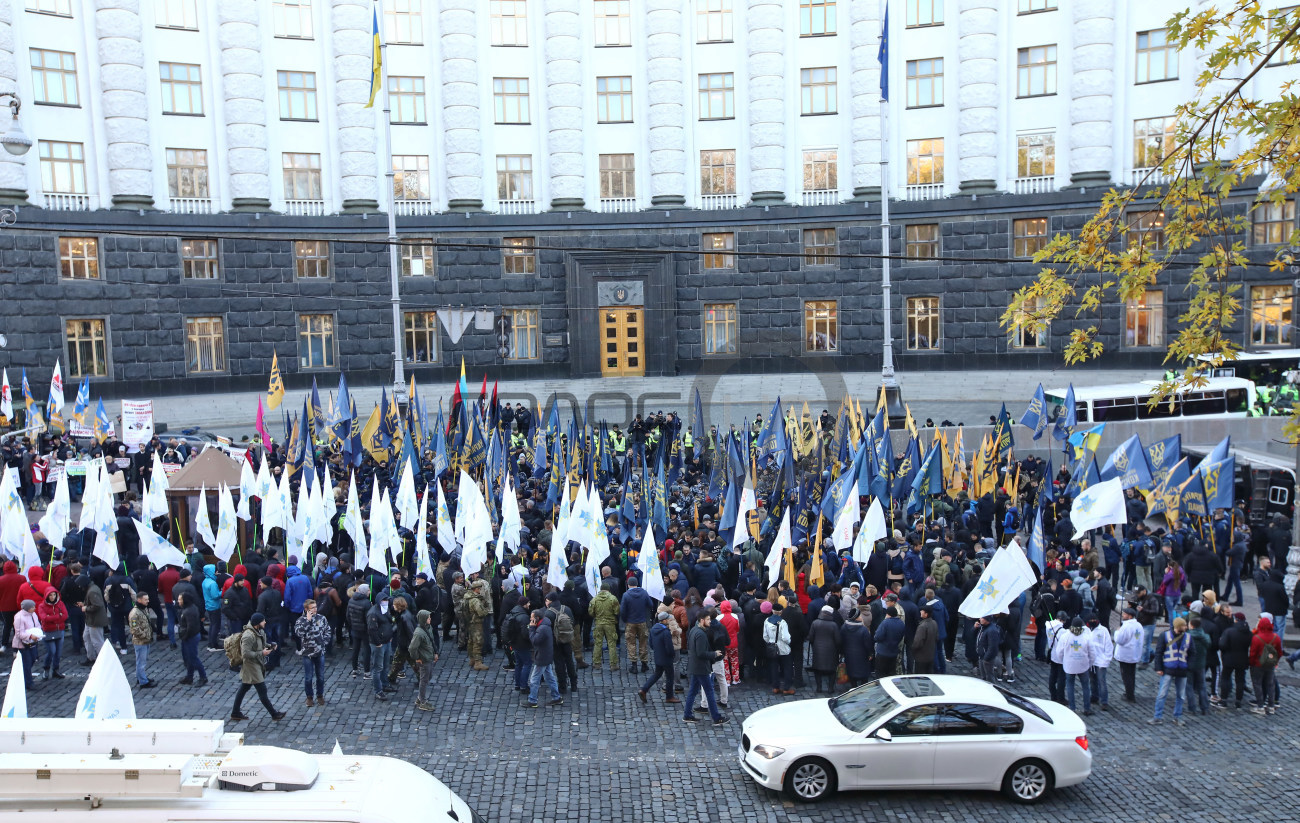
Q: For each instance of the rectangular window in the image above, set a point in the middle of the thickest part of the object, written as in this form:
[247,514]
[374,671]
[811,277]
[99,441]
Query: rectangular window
[1274,223]
[176,14]
[315,341]
[821,326]
[1036,155]
[720,328]
[1036,75]
[87,344]
[1147,228]
[717,96]
[617,175]
[411,176]
[79,258]
[924,161]
[718,171]
[923,323]
[292,18]
[924,13]
[718,248]
[1031,6]
[1144,321]
[819,90]
[510,94]
[1028,236]
[922,241]
[187,173]
[311,258]
[1279,24]
[60,8]
[182,88]
[417,258]
[421,336]
[1026,338]
[818,246]
[519,255]
[54,77]
[406,99]
[63,167]
[613,99]
[404,22]
[1157,58]
[1153,138]
[816,17]
[713,17]
[924,83]
[509,22]
[205,345]
[613,22]
[199,260]
[302,180]
[821,170]
[525,334]
[1271,315]
[297,95]
[514,177]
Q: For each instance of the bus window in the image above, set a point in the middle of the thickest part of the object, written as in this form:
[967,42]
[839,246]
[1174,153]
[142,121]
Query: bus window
[1209,402]
[1160,411]
[1238,400]
[1114,408]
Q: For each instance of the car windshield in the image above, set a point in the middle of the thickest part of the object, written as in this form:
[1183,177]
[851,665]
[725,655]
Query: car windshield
[863,706]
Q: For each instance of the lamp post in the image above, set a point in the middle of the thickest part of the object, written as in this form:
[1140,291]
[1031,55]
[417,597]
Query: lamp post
[15,141]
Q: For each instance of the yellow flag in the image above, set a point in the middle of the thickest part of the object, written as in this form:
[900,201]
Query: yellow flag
[789,572]
[275,391]
[816,574]
[372,442]
[908,421]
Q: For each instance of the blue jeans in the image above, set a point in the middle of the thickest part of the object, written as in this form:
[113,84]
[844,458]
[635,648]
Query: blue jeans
[1069,690]
[193,663]
[1172,601]
[940,663]
[141,660]
[523,668]
[53,651]
[1198,691]
[1099,691]
[1234,582]
[173,617]
[28,654]
[314,665]
[381,657]
[1148,636]
[782,671]
[535,680]
[705,682]
[1180,695]
[214,628]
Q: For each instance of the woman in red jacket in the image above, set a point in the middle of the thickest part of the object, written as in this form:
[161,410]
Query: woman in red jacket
[1263,665]
[54,621]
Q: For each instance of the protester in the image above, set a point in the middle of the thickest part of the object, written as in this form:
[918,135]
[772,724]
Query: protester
[313,633]
[252,668]
[425,648]
[141,638]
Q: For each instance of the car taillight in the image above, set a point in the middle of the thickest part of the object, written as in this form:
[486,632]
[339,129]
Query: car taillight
[1082,740]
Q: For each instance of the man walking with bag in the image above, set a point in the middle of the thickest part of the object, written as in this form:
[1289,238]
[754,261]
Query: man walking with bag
[253,652]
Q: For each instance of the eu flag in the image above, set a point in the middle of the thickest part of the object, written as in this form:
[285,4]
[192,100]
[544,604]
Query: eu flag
[883,57]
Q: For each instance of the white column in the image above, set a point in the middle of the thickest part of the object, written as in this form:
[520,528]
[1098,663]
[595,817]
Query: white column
[1092,93]
[353,43]
[977,96]
[13,175]
[462,142]
[244,104]
[667,94]
[767,80]
[122,80]
[864,86]
[564,143]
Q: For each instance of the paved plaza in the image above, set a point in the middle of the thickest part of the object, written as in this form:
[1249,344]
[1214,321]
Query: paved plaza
[603,756]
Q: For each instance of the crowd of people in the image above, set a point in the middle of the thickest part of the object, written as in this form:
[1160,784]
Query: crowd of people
[1167,599]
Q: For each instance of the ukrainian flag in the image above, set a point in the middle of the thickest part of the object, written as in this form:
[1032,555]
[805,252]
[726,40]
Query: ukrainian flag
[376,60]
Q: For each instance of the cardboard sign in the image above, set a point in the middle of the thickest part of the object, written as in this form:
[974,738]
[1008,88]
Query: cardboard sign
[137,423]
[76,468]
[117,482]
[171,468]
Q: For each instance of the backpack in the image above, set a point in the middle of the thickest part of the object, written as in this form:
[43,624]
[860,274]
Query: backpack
[234,649]
[769,649]
[1268,656]
[896,563]
[118,596]
[563,626]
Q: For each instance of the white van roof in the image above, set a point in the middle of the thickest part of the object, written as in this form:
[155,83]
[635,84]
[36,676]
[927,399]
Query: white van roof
[1146,388]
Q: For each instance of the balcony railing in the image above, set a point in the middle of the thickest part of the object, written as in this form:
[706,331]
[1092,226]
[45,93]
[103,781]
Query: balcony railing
[717,201]
[411,208]
[925,191]
[305,208]
[821,197]
[1157,178]
[517,206]
[191,205]
[617,204]
[1036,185]
[58,201]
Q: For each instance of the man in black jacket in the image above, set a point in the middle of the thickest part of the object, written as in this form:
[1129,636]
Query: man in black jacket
[379,631]
[1234,650]
[699,665]
[403,631]
[661,647]
[517,623]
[270,605]
[1203,568]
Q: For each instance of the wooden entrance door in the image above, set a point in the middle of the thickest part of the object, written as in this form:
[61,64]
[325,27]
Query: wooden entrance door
[622,341]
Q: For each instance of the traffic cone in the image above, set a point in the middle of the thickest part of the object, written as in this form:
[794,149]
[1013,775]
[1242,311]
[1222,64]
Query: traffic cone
[1032,629]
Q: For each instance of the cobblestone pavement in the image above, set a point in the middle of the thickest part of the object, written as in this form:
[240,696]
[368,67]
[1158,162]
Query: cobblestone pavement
[603,756]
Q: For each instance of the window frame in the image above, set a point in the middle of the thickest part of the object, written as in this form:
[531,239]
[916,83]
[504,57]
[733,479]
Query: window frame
[1168,135]
[168,87]
[516,329]
[622,95]
[728,322]
[407,254]
[72,260]
[936,169]
[726,92]
[725,16]
[430,332]
[172,159]
[523,250]
[504,99]
[1032,242]
[521,177]
[831,170]
[41,76]
[413,15]
[188,10]
[1027,6]
[725,255]
[821,254]
[62,8]
[302,10]
[935,7]
[1154,313]
[192,262]
[497,23]
[1134,221]
[625,174]
[914,78]
[1285,223]
[1024,152]
[811,325]
[303,261]
[1144,57]
[400,174]
[1042,341]
[810,87]
[333,351]
[932,317]
[1026,69]
[293,175]
[76,166]
[1259,306]
[829,15]
[1286,55]
[728,180]
[914,244]
[287,93]
[622,24]
[74,371]
[189,341]
[414,97]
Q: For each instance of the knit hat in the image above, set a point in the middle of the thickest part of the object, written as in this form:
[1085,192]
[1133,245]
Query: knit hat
[363,589]
[766,608]
[28,605]
[892,611]
[709,602]
[662,616]
[827,610]
[257,617]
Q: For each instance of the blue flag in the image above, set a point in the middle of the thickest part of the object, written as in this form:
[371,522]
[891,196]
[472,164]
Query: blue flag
[1129,463]
[1049,488]
[1068,418]
[1036,551]
[908,468]
[1162,456]
[1218,479]
[1035,417]
[883,57]
[1220,451]
[1085,476]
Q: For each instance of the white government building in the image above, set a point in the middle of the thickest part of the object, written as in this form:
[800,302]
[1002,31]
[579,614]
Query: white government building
[523,106]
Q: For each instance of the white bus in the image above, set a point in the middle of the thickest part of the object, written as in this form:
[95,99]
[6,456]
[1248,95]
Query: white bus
[1219,397]
[1266,367]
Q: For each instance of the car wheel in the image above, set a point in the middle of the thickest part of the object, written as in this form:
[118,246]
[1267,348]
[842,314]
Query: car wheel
[810,780]
[1027,781]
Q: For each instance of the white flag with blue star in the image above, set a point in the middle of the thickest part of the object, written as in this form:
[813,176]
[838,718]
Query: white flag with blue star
[107,694]
[15,705]
[224,547]
[1008,574]
[1101,504]
[652,579]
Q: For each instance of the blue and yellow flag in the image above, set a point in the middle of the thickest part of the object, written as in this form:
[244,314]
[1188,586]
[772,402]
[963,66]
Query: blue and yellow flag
[1218,479]
[103,426]
[1035,417]
[376,61]
[1002,434]
[82,402]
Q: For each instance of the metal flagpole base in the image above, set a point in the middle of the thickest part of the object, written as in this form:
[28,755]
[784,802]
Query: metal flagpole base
[893,400]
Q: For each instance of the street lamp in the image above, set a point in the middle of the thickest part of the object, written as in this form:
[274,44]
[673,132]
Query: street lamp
[14,140]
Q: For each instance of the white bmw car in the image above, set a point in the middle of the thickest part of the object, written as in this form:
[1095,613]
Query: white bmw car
[917,731]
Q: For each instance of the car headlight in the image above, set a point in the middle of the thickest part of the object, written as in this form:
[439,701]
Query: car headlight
[769,752]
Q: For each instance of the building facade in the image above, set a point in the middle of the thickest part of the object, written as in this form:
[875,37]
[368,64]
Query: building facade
[624,186]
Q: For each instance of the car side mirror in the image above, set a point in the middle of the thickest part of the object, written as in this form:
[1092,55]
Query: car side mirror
[883,735]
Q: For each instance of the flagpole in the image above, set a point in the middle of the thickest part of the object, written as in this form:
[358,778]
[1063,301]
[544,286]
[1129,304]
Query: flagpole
[394,264]
[888,380]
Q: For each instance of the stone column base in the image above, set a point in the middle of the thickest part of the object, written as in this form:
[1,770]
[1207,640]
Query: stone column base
[668,201]
[866,194]
[1089,179]
[767,198]
[13,197]
[133,201]
[568,204]
[250,204]
[360,207]
[978,187]
[464,205]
